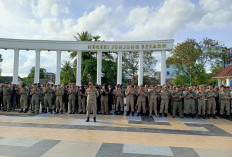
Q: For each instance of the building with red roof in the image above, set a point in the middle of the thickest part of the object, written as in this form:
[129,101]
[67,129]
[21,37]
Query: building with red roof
[224,77]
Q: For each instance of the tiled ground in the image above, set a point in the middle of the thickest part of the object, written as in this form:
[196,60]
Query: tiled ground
[48,135]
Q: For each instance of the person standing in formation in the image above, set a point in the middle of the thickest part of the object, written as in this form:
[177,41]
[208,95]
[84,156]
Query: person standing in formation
[130,100]
[92,95]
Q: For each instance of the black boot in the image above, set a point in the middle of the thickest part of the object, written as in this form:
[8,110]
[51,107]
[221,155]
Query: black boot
[94,119]
[57,112]
[208,116]
[61,112]
[45,111]
[25,111]
[160,115]
[87,119]
[132,113]
[137,114]
[165,114]
[127,113]
[214,116]
[50,110]
[21,111]
[203,116]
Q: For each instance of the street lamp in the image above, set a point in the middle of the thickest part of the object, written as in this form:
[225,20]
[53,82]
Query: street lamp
[190,75]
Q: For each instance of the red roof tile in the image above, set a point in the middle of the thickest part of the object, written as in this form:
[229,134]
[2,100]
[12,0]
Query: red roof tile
[225,72]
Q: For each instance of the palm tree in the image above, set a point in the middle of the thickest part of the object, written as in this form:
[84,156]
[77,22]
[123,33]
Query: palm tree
[67,73]
[84,36]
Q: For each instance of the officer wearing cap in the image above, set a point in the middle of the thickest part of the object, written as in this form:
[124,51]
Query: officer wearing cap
[48,98]
[141,102]
[130,100]
[7,92]
[23,98]
[59,92]
[35,99]
[92,95]
[177,96]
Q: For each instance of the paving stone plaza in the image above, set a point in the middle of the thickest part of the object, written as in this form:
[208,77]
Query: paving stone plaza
[48,135]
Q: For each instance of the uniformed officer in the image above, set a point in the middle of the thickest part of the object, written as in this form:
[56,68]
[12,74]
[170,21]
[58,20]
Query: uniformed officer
[35,99]
[190,104]
[165,94]
[83,100]
[177,102]
[130,100]
[104,100]
[71,99]
[224,97]
[7,92]
[92,95]
[201,102]
[23,98]
[59,92]
[152,96]
[48,98]
[41,97]
[119,99]
[211,103]
[30,87]
[141,102]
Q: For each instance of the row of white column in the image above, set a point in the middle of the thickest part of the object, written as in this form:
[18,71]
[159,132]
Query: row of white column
[99,67]
[225,82]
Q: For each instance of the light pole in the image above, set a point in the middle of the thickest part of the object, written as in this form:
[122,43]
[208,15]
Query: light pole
[190,75]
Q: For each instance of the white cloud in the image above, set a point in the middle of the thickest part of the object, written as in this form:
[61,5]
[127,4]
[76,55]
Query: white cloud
[44,8]
[216,13]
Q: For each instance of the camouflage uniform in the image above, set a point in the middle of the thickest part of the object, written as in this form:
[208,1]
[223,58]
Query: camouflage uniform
[92,95]
[177,103]
[141,102]
[130,100]
[48,98]
[164,101]
[201,102]
[225,102]
[7,92]
[152,97]
[72,100]
[35,100]
[104,102]
[23,99]
[59,99]
[119,99]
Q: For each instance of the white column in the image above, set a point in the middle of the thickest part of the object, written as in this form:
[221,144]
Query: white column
[99,67]
[140,72]
[16,67]
[119,74]
[37,66]
[78,75]
[163,67]
[227,82]
[223,82]
[219,82]
[58,65]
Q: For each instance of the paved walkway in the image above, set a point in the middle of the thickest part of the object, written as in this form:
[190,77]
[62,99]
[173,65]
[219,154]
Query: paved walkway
[48,135]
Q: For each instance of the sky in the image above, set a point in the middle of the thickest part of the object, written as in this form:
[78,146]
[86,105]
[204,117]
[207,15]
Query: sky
[113,20]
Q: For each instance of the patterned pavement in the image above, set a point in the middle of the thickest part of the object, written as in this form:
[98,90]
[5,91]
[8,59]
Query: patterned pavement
[48,135]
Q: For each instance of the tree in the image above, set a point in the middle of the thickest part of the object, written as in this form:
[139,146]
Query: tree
[130,64]
[67,73]
[192,59]
[30,77]
[89,62]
